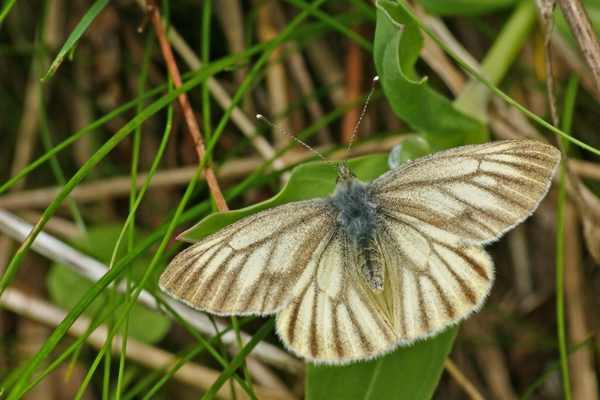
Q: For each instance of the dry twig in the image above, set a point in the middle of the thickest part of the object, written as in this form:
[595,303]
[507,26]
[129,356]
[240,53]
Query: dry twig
[275,74]
[586,38]
[354,80]
[121,186]
[299,70]
[584,381]
[245,124]
[190,118]
[230,170]
[571,58]
[329,71]
[492,363]
[92,269]
[190,373]
[462,380]
[589,45]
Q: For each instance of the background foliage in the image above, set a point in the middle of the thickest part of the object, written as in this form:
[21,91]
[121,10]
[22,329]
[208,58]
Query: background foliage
[96,153]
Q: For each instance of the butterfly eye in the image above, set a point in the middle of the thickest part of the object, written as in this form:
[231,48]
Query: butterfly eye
[344,173]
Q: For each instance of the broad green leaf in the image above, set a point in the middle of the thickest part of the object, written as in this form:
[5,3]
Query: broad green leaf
[398,42]
[410,373]
[410,148]
[67,287]
[310,180]
[465,7]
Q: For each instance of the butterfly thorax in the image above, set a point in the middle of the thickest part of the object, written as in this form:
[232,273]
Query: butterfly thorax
[357,213]
[357,218]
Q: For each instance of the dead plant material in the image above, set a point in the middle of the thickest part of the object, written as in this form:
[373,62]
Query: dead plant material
[584,381]
[462,380]
[190,373]
[117,187]
[354,81]
[587,40]
[590,220]
[276,74]
[588,43]
[190,118]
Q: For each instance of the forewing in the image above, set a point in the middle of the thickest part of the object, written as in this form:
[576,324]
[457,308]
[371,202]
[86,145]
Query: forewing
[432,280]
[476,192]
[251,266]
[333,317]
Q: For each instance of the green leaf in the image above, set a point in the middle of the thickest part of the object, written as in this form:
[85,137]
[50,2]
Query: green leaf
[6,7]
[310,180]
[411,148]
[398,42]
[74,37]
[465,7]
[407,373]
[67,287]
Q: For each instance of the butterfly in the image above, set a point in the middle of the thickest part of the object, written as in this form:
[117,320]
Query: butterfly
[375,265]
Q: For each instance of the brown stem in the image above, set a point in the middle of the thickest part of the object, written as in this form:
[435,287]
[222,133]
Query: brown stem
[462,380]
[584,33]
[354,73]
[184,103]
[585,383]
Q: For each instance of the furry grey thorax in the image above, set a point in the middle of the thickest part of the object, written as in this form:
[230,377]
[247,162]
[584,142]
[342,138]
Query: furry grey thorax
[357,218]
[356,212]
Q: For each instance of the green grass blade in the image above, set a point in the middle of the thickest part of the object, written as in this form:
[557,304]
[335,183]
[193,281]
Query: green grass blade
[49,154]
[106,148]
[54,163]
[567,114]
[6,7]
[474,98]
[555,366]
[494,88]
[204,344]
[72,350]
[206,26]
[79,30]
[246,84]
[465,7]
[333,23]
[264,330]
[135,157]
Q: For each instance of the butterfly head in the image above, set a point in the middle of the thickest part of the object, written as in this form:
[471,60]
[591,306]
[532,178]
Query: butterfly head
[344,173]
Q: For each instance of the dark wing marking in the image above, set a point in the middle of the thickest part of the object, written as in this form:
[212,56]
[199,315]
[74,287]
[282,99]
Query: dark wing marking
[251,266]
[474,192]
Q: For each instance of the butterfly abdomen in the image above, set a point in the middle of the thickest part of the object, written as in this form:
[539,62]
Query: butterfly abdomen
[372,268]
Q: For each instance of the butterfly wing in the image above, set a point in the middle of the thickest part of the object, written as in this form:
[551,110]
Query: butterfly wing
[334,317]
[432,280]
[475,192]
[251,266]
[434,216]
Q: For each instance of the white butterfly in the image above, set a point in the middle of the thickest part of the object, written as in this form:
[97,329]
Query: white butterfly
[375,265]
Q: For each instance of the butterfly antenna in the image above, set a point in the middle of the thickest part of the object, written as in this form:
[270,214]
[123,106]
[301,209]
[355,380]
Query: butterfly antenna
[363,112]
[274,126]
